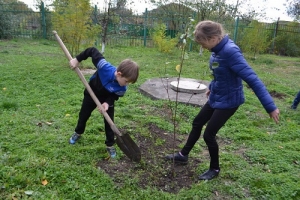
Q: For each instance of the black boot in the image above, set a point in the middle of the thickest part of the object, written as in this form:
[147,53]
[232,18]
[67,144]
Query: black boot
[177,158]
[209,174]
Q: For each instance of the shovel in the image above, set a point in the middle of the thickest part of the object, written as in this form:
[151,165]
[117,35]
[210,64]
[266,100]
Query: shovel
[124,141]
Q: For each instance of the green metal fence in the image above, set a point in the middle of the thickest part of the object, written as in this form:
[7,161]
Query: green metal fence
[23,21]
[131,30]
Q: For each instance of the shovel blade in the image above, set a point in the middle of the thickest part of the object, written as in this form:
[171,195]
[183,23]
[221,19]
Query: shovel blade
[129,147]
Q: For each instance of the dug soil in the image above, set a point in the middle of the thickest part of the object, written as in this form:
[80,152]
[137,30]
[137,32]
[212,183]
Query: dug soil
[153,170]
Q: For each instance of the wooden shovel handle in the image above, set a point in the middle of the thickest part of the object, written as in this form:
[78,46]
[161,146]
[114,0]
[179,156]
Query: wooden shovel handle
[87,86]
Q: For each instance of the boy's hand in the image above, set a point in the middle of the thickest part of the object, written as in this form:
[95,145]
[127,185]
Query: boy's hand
[104,106]
[73,63]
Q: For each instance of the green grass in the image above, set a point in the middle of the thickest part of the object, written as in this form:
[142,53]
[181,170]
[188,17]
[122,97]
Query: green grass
[41,98]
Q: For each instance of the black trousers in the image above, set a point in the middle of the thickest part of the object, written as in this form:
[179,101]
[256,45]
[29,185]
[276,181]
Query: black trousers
[215,119]
[87,107]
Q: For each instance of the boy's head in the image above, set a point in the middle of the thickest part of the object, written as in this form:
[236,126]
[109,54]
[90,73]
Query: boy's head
[128,70]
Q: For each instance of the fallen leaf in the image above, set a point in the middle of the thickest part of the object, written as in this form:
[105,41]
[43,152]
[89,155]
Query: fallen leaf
[67,115]
[178,68]
[296,162]
[216,193]
[49,123]
[281,147]
[40,124]
[4,88]
[44,182]
[29,192]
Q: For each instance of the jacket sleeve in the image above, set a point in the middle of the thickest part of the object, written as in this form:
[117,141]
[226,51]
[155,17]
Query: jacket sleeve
[111,99]
[240,66]
[90,52]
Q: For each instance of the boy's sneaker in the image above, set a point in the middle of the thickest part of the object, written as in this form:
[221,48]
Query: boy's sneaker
[111,151]
[178,158]
[74,138]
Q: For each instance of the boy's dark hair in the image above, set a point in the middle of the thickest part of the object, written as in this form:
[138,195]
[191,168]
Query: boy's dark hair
[129,69]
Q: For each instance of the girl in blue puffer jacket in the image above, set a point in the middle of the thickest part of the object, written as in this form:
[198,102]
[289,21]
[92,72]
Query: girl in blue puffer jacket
[225,93]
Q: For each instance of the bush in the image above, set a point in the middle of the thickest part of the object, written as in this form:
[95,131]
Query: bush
[255,39]
[163,42]
[286,43]
[5,24]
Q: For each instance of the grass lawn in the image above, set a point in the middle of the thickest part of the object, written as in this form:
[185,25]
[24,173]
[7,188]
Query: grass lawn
[40,98]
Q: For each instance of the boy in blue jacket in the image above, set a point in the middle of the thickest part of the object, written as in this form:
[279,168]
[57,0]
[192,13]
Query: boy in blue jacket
[225,94]
[108,83]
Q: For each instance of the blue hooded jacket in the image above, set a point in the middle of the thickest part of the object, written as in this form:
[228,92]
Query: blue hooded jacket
[103,82]
[229,68]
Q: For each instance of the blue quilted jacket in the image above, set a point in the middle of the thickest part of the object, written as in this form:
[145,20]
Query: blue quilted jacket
[229,68]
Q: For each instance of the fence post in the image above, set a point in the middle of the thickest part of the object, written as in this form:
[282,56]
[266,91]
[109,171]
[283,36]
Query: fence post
[236,29]
[191,44]
[43,20]
[145,27]
[95,22]
[275,34]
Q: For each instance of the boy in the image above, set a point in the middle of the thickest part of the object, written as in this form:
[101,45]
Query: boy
[296,101]
[108,83]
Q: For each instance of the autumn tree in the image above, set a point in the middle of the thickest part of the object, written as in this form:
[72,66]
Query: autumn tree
[219,10]
[112,10]
[72,20]
[293,9]
[174,13]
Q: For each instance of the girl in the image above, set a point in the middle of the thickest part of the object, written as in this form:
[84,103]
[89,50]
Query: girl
[225,93]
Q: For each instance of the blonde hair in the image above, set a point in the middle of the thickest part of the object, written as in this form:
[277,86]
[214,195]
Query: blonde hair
[129,69]
[207,29]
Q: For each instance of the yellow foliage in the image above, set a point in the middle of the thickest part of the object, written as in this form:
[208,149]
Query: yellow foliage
[178,68]
[163,42]
[44,182]
[73,23]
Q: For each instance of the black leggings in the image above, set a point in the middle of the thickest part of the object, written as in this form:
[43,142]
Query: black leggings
[87,107]
[216,118]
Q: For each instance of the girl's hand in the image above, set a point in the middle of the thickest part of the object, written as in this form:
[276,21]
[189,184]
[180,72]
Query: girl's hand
[275,115]
[207,93]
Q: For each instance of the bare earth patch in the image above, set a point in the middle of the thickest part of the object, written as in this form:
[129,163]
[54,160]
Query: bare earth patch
[153,171]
